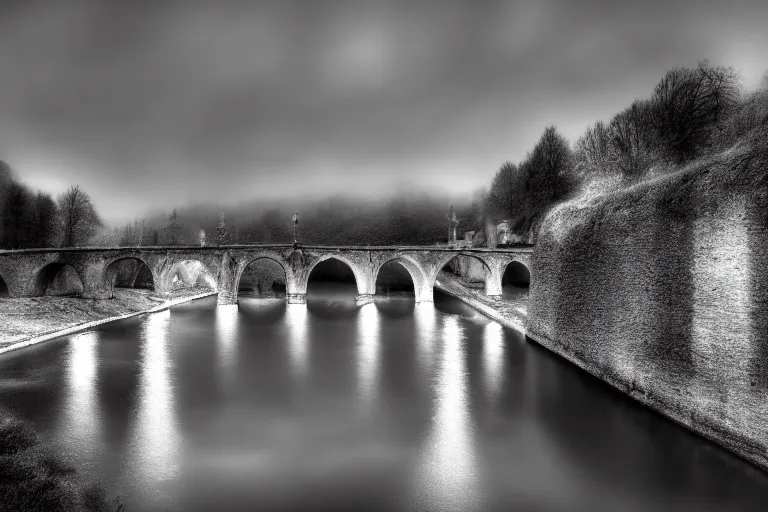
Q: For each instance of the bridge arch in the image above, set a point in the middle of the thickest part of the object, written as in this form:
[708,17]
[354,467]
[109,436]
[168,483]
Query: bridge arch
[361,280]
[189,273]
[290,280]
[421,287]
[479,272]
[67,280]
[516,273]
[115,274]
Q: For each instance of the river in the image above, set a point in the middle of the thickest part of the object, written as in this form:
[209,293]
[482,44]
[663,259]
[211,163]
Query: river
[328,406]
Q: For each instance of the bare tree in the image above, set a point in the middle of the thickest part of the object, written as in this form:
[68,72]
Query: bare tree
[630,139]
[550,167]
[79,219]
[593,154]
[750,114]
[688,104]
[499,202]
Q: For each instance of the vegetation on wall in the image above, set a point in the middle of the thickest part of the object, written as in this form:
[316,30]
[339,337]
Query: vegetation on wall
[691,114]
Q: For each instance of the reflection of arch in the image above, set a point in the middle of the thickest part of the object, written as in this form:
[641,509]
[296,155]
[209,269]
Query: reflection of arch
[395,308]
[360,280]
[262,312]
[68,280]
[140,277]
[287,275]
[3,288]
[517,274]
[190,273]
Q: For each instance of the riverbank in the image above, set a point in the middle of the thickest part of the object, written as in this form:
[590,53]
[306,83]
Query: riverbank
[31,320]
[35,479]
[510,310]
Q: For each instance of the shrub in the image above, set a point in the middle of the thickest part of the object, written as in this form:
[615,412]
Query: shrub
[34,481]
[95,500]
[15,436]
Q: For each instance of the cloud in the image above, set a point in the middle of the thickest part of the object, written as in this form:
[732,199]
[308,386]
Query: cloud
[145,103]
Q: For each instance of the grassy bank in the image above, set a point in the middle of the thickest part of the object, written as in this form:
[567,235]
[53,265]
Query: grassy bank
[35,480]
[27,319]
[31,478]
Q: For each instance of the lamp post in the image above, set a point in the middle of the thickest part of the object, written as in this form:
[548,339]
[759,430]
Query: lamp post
[452,223]
[295,228]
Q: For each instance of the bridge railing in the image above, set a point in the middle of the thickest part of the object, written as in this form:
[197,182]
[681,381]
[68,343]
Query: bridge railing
[198,248]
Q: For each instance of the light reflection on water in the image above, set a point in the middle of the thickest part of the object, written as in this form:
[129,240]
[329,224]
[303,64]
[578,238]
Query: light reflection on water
[155,440]
[82,416]
[298,342]
[425,319]
[493,359]
[449,474]
[226,346]
[368,354]
[457,414]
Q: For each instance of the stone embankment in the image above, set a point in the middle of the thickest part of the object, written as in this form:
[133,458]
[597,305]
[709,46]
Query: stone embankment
[510,310]
[662,291]
[27,321]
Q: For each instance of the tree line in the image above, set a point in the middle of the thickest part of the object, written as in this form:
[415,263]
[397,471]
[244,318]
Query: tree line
[691,113]
[34,219]
[30,219]
[407,220]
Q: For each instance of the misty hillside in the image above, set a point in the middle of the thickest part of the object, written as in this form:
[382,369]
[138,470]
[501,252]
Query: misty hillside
[414,219]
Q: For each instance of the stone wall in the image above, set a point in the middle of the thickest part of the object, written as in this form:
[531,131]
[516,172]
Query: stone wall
[662,291]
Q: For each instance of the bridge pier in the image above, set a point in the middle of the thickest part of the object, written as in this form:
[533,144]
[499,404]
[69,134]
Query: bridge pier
[95,283]
[227,280]
[364,298]
[424,294]
[493,285]
[296,298]
[163,288]
[226,298]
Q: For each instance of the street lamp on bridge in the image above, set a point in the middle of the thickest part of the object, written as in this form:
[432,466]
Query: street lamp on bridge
[295,228]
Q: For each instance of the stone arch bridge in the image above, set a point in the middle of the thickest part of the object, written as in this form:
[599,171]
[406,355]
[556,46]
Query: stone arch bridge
[27,273]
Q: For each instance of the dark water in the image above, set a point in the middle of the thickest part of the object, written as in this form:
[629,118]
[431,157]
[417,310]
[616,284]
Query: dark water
[332,407]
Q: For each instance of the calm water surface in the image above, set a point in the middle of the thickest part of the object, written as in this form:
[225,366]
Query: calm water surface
[390,406]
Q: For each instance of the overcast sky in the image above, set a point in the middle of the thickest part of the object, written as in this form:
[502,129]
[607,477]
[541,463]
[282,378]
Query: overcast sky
[151,103]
